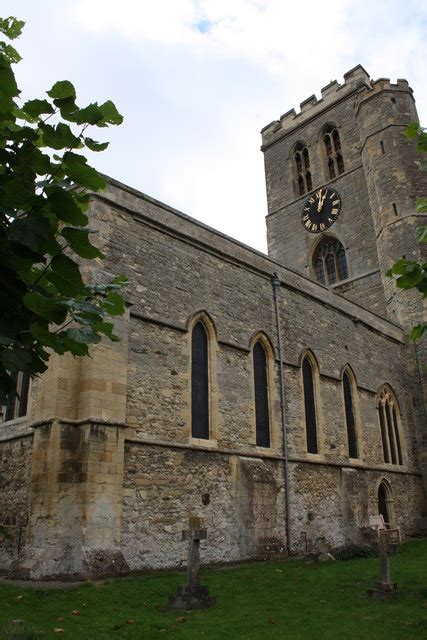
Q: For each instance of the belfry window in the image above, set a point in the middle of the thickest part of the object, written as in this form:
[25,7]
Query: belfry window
[349,416]
[332,146]
[389,425]
[17,402]
[262,417]
[302,167]
[330,259]
[199,382]
[309,405]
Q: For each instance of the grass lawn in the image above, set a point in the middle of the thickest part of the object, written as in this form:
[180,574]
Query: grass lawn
[289,600]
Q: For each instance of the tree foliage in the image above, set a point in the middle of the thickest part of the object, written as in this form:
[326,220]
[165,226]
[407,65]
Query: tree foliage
[44,234]
[411,274]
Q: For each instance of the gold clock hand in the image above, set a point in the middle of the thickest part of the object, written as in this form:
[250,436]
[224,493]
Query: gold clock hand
[320,201]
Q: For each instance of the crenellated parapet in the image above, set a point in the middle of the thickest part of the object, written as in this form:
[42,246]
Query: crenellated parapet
[355,81]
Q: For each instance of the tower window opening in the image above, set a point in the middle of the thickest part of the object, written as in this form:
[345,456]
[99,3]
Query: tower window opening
[302,166]
[394,209]
[329,263]
[334,157]
[382,146]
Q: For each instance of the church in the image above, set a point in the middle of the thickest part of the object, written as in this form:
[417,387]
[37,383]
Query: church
[277,397]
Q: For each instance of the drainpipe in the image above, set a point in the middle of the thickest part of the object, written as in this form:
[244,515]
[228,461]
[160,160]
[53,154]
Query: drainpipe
[276,288]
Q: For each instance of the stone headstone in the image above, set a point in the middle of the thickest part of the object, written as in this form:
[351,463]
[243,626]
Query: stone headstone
[193,595]
[383,588]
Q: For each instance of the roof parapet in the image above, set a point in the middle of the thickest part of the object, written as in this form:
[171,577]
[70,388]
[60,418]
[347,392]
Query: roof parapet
[311,105]
[355,79]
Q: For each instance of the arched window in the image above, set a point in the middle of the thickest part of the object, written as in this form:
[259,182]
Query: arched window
[262,415]
[389,425]
[385,503]
[302,167]
[350,415]
[17,402]
[199,382]
[330,258]
[309,405]
[332,146]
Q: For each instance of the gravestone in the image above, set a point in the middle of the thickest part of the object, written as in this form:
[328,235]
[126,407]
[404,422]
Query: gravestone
[383,588]
[193,595]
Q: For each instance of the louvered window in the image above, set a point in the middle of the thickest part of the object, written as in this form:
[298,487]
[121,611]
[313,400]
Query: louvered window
[332,146]
[349,417]
[199,383]
[302,169]
[262,418]
[309,406]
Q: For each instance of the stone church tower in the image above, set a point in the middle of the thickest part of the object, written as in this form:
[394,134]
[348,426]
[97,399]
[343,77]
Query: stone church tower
[351,141]
[275,396]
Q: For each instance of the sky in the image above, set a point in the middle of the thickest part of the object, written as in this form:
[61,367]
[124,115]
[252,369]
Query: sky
[196,81]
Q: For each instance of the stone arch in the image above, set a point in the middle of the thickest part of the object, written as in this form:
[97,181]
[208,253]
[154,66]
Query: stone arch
[385,501]
[328,260]
[390,426]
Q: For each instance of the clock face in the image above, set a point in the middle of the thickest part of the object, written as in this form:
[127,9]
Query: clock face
[321,210]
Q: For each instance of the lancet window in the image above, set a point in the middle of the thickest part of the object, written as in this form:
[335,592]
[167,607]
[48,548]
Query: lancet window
[302,168]
[199,382]
[309,405]
[389,425]
[262,412]
[333,153]
[350,415]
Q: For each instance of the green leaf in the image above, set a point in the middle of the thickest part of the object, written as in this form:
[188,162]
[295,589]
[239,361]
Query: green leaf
[95,146]
[422,142]
[47,338]
[62,204]
[11,27]
[10,53]
[421,234]
[34,108]
[411,278]
[91,114]
[412,130]
[78,239]
[417,332]
[110,115]
[15,359]
[62,89]
[120,280]
[65,275]
[83,174]
[8,86]
[31,231]
[114,304]
[59,137]
[45,307]
[422,205]
[83,335]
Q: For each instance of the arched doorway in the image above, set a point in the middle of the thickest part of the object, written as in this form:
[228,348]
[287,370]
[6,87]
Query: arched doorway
[383,503]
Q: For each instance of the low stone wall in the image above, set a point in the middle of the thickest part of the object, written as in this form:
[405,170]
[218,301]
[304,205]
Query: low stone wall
[15,464]
[238,499]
